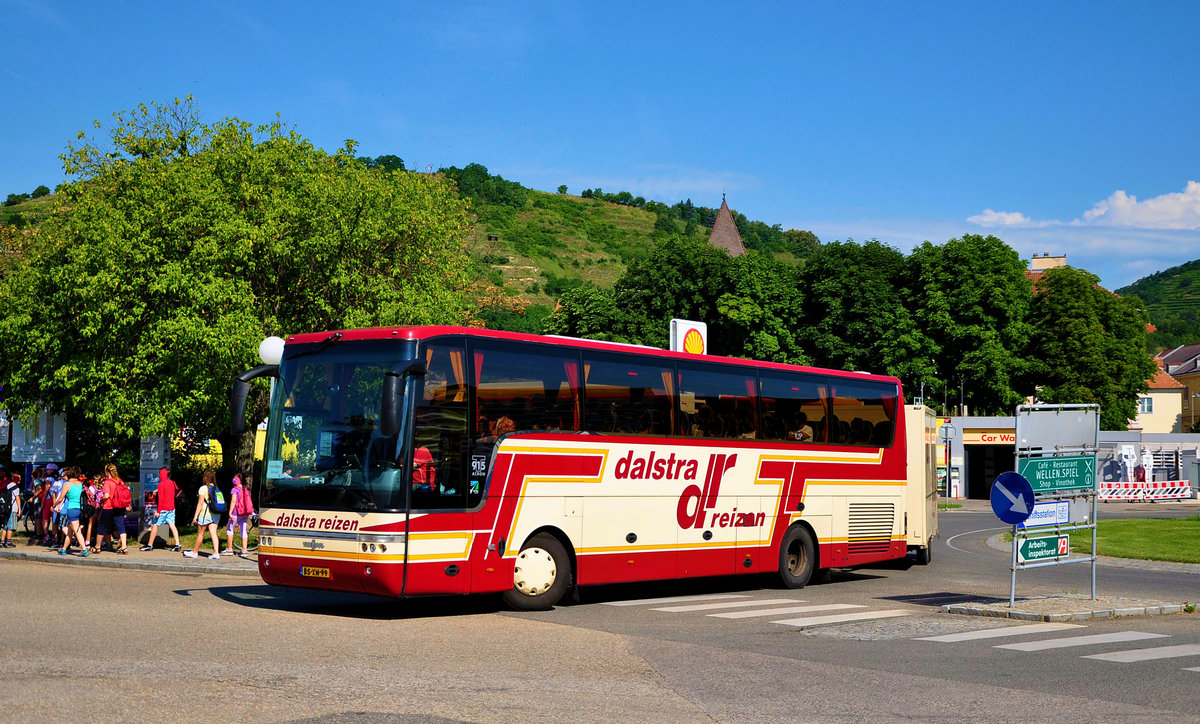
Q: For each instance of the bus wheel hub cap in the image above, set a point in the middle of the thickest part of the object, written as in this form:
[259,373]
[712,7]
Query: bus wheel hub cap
[535,571]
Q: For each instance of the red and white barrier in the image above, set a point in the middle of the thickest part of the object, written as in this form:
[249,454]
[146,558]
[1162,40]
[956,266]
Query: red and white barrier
[1161,490]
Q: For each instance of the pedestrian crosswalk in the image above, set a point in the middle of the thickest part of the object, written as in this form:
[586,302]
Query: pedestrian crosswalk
[722,605]
[1160,652]
[1124,656]
[1123,647]
[1119,637]
[991,633]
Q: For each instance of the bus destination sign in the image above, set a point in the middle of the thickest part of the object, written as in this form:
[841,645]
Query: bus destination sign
[1053,475]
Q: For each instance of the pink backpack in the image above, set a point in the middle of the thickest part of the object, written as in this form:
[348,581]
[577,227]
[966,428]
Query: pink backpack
[243,505]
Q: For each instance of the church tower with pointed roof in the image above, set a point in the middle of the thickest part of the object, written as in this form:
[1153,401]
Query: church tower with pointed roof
[724,232]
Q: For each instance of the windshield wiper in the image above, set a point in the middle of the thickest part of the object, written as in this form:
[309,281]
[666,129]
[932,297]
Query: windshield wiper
[321,346]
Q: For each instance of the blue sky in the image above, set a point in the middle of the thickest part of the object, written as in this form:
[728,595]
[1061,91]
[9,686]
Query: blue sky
[1059,127]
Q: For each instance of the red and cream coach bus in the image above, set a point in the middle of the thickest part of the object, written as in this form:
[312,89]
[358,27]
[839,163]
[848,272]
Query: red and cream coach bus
[441,460]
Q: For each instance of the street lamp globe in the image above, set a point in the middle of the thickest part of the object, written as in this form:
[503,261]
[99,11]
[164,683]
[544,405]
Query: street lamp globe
[270,350]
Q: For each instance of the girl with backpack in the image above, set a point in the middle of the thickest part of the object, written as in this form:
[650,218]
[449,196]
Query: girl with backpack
[207,515]
[115,498]
[241,507]
[68,498]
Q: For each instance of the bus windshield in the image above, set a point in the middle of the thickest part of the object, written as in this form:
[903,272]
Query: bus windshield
[325,448]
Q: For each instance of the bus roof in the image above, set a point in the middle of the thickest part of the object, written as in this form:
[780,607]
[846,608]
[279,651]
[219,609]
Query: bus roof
[420,333]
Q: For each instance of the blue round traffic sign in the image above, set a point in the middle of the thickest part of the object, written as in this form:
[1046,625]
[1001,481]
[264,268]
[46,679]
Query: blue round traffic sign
[1012,498]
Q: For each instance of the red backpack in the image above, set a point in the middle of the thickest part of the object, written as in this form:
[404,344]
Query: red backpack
[122,498]
[243,505]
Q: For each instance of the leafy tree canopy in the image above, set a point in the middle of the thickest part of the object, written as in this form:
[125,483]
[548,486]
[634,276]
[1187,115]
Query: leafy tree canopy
[179,245]
[475,181]
[970,297]
[853,315]
[747,302]
[1088,346]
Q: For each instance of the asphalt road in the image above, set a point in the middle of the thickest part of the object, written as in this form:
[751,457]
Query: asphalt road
[148,646]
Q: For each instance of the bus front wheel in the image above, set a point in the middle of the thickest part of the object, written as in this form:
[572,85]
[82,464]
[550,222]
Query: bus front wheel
[541,576]
[797,557]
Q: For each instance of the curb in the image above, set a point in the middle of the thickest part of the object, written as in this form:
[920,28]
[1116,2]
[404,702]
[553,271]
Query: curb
[1123,611]
[110,561]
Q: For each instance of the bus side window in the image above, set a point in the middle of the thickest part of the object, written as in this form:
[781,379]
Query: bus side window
[626,395]
[868,411]
[797,405]
[724,400]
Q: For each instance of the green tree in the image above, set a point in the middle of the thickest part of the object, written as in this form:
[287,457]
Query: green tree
[759,311]
[854,315]
[971,297]
[802,243]
[562,189]
[178,246]
[1088,345]
[748,302]
[585,311]
[40,191]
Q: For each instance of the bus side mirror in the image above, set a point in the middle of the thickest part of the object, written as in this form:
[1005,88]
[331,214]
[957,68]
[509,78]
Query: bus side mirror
[393,394]
[239,393]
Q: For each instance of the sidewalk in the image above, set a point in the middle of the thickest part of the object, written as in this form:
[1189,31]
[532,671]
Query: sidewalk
[158,559]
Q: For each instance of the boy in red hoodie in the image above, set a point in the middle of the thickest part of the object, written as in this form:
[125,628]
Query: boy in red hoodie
[166,509]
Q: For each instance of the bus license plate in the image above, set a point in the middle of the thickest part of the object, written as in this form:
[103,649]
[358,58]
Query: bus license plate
[311,572]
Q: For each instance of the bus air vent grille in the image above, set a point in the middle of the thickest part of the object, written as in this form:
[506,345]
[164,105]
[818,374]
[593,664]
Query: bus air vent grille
[871,527]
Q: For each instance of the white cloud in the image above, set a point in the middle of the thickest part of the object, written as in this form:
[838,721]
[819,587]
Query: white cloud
[992,219]
[1168,211]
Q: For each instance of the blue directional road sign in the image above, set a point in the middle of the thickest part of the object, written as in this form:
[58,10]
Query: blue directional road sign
[1012,498]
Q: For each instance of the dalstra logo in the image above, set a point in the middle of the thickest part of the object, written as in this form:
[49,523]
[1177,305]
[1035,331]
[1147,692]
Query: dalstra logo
[692,515]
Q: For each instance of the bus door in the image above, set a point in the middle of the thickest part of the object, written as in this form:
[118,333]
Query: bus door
[440,521]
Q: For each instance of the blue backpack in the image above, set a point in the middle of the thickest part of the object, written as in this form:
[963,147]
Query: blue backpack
[216,499]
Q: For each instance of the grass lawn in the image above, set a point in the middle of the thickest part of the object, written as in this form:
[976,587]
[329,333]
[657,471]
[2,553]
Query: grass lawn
[949,506]
[1152,539]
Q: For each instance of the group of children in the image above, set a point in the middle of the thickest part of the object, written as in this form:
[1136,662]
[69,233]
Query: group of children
[68,507]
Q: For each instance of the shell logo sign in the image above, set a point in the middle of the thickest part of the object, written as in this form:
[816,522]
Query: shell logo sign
[688,336]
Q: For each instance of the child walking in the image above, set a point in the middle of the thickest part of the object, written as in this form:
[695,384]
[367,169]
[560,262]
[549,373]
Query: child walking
[205,517]
[241,507]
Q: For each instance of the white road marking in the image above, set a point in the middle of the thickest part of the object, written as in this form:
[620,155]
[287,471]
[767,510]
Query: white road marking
[1192,668]
[845,617]
[950,540]
[781,611]
[727,604]
[672,599]
[992,633]
[1109,638]
[1159,652]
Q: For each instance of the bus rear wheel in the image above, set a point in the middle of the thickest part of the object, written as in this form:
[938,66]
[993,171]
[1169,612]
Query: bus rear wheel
[797,557]
[541,576]
[925,554]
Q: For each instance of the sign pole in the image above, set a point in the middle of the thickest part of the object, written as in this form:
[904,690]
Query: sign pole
[1012,584]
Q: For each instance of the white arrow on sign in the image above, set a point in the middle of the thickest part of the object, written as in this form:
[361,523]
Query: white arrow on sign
[1018,502]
